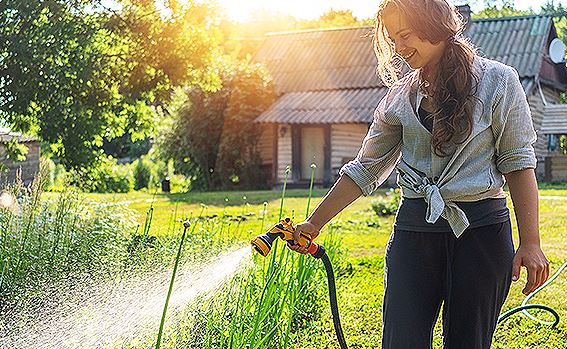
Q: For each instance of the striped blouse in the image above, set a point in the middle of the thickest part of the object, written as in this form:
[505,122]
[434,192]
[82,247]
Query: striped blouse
[501,141]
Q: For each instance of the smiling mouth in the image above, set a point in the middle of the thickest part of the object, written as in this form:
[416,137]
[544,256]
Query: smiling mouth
[408,56]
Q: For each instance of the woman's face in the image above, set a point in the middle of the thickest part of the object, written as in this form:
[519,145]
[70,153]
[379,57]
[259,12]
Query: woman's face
[416,52]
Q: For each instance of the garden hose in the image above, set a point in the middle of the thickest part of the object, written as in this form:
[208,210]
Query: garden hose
[333,300]
[284,230]
[525,306]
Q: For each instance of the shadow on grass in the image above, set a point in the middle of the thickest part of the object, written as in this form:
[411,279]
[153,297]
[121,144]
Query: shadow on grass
[237,198]
[553,185]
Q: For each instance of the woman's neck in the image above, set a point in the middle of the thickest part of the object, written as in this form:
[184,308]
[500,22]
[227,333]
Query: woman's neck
[427,80]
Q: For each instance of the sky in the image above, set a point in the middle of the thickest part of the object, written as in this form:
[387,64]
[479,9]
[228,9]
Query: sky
[309,9]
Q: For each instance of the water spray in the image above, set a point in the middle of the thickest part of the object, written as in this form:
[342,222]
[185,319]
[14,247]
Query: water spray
[284,230]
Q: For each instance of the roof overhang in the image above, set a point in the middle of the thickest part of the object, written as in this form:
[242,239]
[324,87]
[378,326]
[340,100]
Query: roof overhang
[554,84]
[324,107]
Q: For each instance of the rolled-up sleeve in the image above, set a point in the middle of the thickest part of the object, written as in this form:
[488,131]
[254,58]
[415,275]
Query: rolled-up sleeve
[378,155]
[512,126]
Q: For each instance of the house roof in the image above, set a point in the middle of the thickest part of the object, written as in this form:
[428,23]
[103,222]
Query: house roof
[555,119]
[515,41]
[331,60]
[315,60]
[334,106]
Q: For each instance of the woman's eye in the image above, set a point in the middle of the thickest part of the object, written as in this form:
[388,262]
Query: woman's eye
[405,36]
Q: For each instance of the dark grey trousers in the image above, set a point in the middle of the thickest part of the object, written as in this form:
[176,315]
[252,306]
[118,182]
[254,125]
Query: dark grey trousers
[471,275]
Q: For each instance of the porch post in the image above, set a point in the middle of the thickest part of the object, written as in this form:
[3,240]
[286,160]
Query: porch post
[327,178]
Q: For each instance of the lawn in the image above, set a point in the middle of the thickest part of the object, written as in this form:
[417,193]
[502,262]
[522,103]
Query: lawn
[359,269]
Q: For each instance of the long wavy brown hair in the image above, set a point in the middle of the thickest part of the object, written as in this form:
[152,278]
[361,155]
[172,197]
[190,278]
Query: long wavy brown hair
[456,84]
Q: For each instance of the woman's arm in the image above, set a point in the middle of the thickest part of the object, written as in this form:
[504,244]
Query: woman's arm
[377,157]
[524,193]
[342,194]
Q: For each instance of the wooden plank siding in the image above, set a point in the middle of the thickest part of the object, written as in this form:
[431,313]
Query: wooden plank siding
[346,140]
[265,143]
[267,148]
[27,169]
[556,168]
[284,151]
[537,108]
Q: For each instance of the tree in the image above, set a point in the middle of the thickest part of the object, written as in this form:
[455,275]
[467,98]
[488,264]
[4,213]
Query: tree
[331,19]
[251,93]
[193,140]
[76,72]
[503,8]
[213,139]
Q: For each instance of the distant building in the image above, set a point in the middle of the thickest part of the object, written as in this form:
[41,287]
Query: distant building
[29,168]
[328,88]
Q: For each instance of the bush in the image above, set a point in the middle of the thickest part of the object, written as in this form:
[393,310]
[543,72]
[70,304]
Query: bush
[45,242]
[142,174]
[179,183]
[388,205]
[107,177]
[57,177]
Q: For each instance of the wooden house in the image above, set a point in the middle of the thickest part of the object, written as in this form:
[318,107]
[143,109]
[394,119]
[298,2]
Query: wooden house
[328,88]
[26,169]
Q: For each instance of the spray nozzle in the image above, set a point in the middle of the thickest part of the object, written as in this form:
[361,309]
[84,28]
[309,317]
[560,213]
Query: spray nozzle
[284,230]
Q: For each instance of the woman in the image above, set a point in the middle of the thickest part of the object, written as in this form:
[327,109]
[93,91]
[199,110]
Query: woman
[455,128]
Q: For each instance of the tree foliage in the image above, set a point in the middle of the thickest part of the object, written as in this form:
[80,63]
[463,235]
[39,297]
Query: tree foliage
[213,139]
[500,8]
[335,18]
[76,72]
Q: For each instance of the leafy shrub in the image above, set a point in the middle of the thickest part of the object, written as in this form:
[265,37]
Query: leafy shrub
[57,176]
[387,205]
[44,242]
[213,137]
[179,183]
[142,174]
[107,177]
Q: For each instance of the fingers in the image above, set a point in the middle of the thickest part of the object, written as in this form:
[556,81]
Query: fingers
[532,281]
[537,275]
[296,233]
[516,268]
[295,246]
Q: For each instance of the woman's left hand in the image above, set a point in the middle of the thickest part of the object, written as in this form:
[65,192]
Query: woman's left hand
[531,256]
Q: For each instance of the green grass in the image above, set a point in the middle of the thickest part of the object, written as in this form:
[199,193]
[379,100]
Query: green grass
[359,269]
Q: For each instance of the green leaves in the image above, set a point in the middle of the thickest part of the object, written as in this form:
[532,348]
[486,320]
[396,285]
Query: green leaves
[215,132]
[15,151]
[75,72]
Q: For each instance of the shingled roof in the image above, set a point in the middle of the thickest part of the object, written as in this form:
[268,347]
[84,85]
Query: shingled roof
[315,60]
[516,41]
[312,66]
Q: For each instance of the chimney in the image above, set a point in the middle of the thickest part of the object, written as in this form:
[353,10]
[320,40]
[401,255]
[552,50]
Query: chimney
[465,11]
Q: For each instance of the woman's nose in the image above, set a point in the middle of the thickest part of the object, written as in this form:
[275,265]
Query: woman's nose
[400,46]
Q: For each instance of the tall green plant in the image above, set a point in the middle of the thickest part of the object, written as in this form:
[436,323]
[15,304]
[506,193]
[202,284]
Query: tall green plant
[63,239]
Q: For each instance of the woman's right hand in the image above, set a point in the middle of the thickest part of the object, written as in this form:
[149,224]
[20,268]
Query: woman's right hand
[305,227]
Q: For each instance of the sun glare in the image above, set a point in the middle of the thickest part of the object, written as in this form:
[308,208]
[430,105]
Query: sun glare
[241,10]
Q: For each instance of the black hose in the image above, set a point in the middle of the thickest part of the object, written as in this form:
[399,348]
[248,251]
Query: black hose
[333,300]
